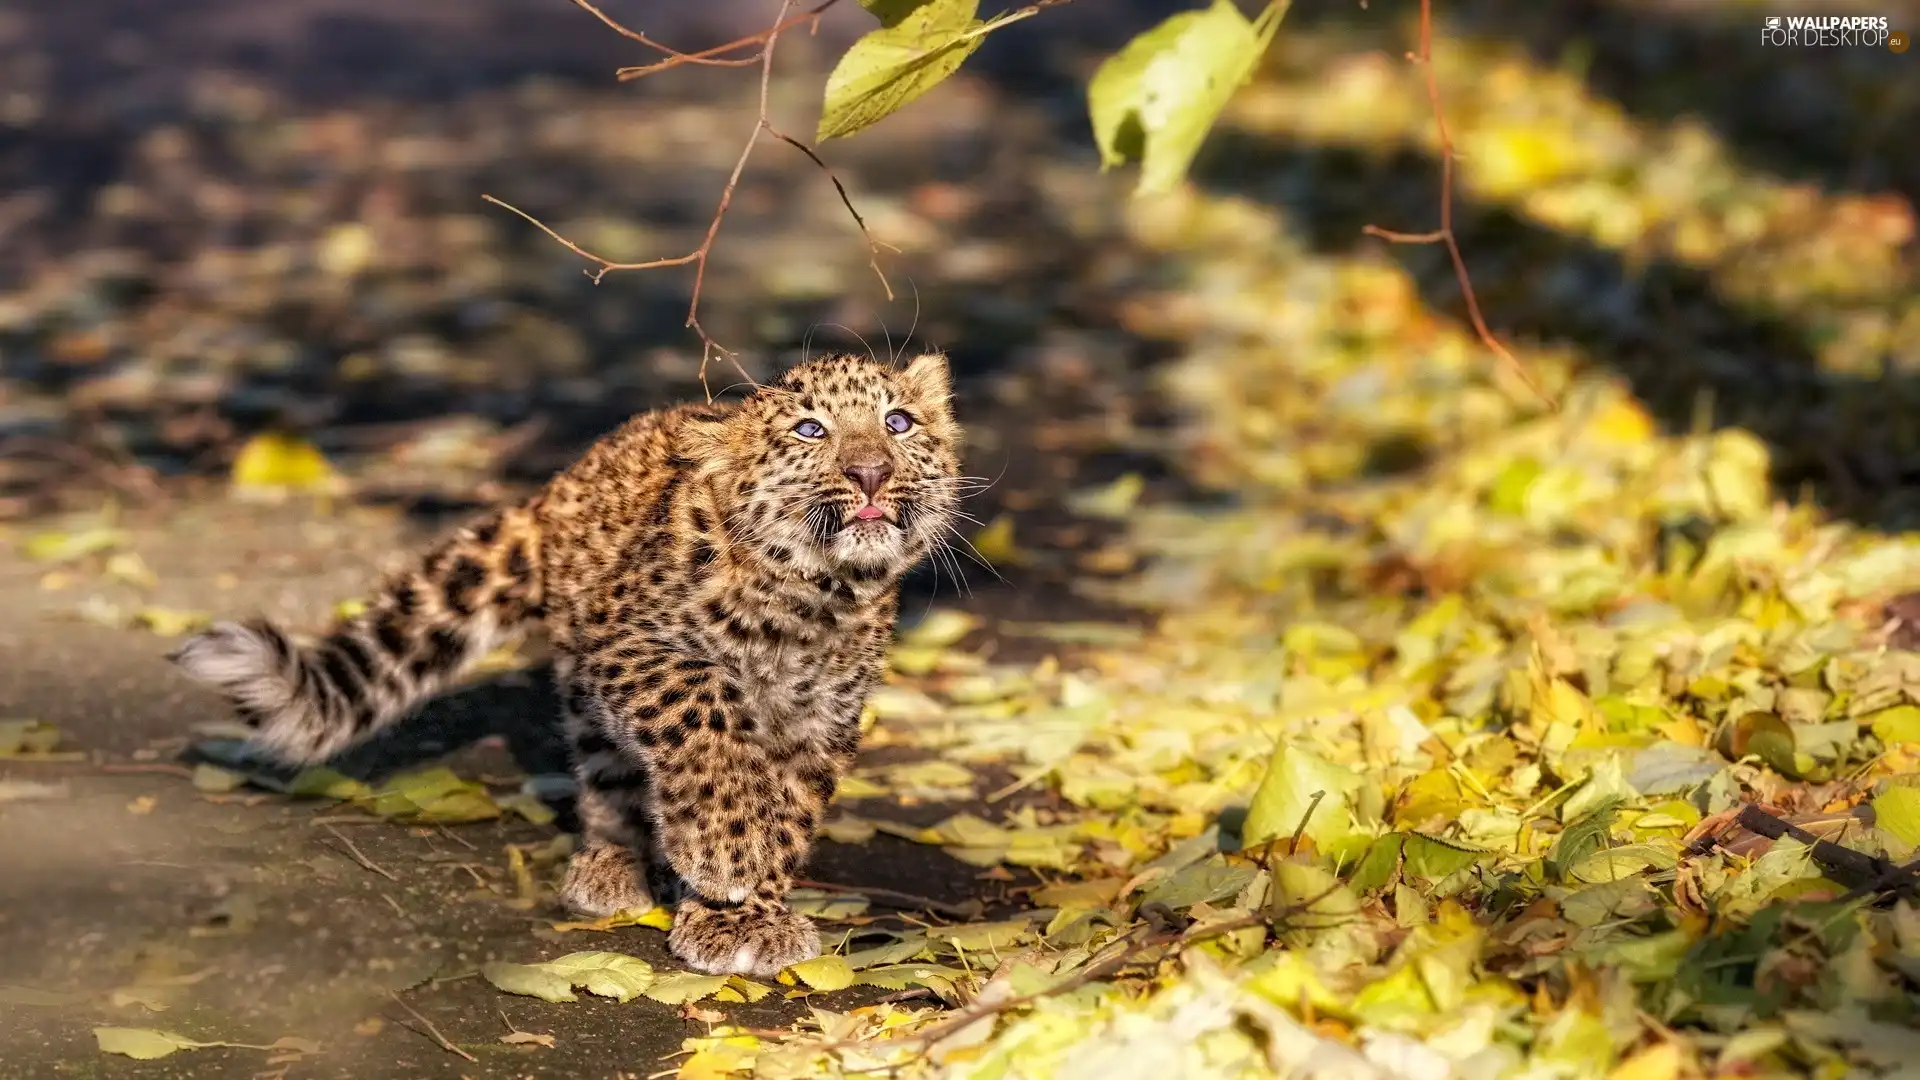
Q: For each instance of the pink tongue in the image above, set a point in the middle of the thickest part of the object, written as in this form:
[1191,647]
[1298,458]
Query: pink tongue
[868,513]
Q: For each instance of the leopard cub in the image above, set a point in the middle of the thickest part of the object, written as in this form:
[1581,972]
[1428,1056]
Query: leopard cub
[720,582]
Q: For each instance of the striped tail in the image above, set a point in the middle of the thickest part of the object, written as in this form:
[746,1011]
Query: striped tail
[308,703]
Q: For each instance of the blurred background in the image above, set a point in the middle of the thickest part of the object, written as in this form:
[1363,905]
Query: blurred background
[223,218]
[243,246]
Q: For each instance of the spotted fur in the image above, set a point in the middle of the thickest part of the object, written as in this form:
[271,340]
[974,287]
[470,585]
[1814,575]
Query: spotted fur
[720,593]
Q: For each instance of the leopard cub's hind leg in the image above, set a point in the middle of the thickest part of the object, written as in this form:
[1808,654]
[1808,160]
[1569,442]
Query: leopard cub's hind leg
[613,869]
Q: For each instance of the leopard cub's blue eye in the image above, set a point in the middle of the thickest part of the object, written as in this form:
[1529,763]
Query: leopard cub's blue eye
[810,429]
[899,423]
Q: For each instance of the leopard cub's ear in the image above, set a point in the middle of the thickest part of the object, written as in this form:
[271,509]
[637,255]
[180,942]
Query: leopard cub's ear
[927,379]
[702,441]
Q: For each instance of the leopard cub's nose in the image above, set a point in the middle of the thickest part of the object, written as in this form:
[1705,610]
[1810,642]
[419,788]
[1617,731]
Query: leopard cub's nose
[869,477]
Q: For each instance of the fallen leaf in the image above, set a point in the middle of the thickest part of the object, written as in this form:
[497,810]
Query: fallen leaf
[144,1044]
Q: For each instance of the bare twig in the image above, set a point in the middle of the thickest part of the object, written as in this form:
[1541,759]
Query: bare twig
[1444,234]
[359,856]
[895,898]
[1085,975]
[764,39]
[432,1032]
[1844,865]
[873,245]
[1293,846]
[762,124]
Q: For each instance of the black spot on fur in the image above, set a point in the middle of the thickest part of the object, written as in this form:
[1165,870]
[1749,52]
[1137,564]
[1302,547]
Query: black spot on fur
[619,781]
[391,631]
[356,656]
[487,530]
[462,582]
[445,648]
[662,513]
[340,673]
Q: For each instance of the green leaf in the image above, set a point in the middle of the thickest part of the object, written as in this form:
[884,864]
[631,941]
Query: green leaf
[1315,900]
[606,974]
[1286,794]
[1897,810]
[143,1044]
[1202,883]
[1157,98]
[531,980]
[1378,865]
[683,986]
[1432,858]
[1581,839]
[891,66]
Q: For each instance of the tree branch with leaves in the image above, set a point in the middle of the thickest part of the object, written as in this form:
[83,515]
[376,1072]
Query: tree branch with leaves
[1154,102]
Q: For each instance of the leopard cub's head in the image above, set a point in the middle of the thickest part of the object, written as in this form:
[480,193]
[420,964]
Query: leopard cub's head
[844,465]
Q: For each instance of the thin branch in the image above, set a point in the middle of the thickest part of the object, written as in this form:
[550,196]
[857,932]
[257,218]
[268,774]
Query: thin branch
[1293,847]
[1444,234]
[673,54]
[762,124]
[359,856]
[432,1032]
[1085,975]
[873,245]
[607,266]
[764,39]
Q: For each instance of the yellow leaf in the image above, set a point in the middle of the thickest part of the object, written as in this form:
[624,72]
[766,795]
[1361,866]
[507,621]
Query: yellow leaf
[1658,1062]
[996,545]
[854,787]
[826,973]
[142,1044]
[940,629]
[167,622]
[60,547]
[1897,810]
[274,462]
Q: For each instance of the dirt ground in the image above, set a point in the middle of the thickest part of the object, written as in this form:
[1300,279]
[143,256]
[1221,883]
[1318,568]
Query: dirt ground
[251,912]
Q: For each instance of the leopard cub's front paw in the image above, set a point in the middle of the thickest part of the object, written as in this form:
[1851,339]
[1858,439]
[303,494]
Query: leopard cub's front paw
[605,878]
[754,938]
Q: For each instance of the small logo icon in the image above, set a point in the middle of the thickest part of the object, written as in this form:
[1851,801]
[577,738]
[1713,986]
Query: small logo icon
[1773,22]
[1899,40]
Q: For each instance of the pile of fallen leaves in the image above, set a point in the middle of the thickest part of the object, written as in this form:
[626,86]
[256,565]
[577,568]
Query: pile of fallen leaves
[1476,741]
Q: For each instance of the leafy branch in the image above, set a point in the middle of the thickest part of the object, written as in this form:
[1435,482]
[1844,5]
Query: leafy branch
[762,125]
[1154,101]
